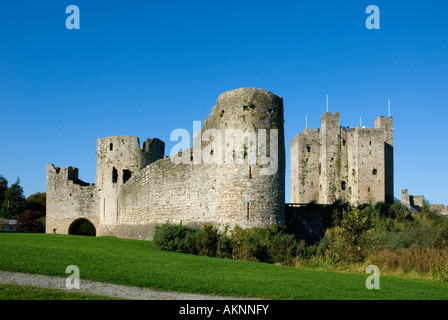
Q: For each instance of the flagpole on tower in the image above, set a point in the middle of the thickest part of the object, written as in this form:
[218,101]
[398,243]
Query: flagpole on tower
[389,105]
[327,102]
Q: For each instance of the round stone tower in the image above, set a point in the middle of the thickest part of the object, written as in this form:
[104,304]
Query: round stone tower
[250,179]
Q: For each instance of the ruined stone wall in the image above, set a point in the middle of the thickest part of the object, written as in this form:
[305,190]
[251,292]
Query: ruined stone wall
[305,166]
[166,192]
[69,199]
[118,159]
[415,203]
[439,208]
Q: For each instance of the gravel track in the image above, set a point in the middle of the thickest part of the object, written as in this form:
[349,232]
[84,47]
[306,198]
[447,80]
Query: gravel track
[104,289]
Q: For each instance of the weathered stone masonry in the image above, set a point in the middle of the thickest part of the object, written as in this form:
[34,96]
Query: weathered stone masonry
[137,188]
[354,164]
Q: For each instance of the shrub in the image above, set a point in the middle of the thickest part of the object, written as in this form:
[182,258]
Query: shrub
[242,245]
[440,273]
[224,247]
[354,234]
[399,212]
[423,236]
[442,236]
[177,238]
[282,248]
[207,240]
[250,244]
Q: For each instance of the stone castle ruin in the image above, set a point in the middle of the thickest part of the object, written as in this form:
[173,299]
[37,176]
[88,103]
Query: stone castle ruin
[415,203]
[138,188]
[233,175]
[353,164]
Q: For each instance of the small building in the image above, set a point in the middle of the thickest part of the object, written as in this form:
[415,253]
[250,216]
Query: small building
[8,225]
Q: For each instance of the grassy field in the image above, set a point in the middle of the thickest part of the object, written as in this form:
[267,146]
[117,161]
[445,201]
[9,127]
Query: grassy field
[137,263]
[16,292]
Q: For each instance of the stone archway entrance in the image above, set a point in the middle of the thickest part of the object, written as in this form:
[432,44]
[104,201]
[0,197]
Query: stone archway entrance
[82,227]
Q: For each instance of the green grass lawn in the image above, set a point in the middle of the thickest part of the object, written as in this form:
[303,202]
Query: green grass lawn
[16,292]
[137,263]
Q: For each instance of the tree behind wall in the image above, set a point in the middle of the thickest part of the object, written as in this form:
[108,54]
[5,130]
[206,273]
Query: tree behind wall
[14,202]
[3,189]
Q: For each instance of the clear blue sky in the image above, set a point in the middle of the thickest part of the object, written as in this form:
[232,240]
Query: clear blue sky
[145,68]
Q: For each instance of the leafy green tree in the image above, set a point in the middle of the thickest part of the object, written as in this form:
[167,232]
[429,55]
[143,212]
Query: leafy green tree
[3,189]
[37,203]
[14,202]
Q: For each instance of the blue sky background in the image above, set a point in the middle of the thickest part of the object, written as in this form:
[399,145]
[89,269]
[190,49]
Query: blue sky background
[145,68]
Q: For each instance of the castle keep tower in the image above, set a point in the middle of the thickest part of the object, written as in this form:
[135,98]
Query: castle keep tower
[354,164]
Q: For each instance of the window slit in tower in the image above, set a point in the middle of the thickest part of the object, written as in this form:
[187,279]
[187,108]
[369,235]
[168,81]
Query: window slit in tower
[126,175]
[114,175]
[250,165]
[248,202]
[111,147]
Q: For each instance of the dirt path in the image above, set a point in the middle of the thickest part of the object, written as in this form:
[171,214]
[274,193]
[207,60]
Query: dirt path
[105,289]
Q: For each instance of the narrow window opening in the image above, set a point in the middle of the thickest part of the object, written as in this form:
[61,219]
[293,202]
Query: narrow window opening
[368,189]
[111,147]
[320,168]
[126,175]
[114,175]
[343,142]
[374,172]
[248,203]
[308,148]
[343,185]
[250,165]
